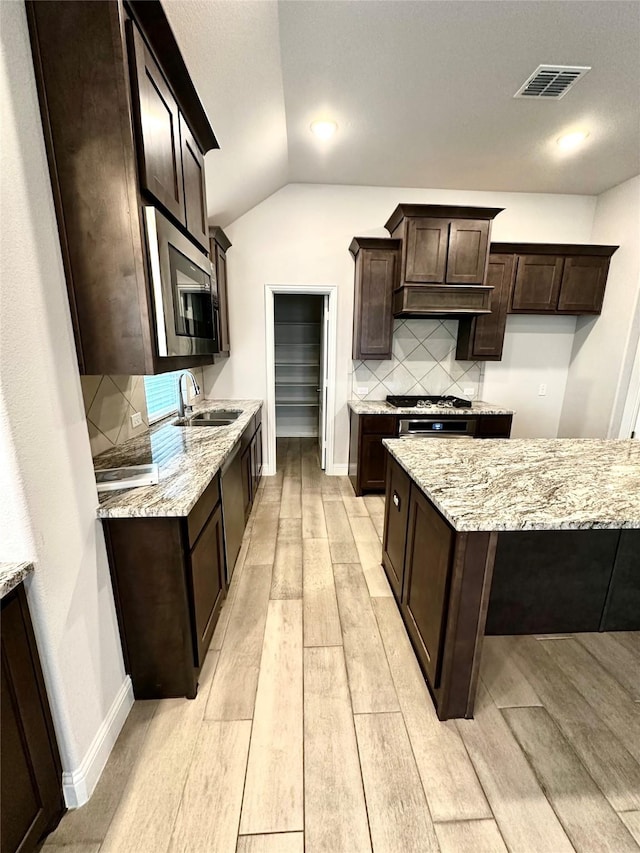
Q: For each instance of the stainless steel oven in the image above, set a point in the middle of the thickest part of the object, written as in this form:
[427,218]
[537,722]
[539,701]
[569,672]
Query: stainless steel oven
[184,290]
[421,427]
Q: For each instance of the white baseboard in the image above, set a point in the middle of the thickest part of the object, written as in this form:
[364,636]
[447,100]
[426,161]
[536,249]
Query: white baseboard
[78,785]
[339,470]
[268,470]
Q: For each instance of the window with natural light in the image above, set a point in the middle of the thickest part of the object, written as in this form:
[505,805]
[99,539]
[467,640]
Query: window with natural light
[162,395]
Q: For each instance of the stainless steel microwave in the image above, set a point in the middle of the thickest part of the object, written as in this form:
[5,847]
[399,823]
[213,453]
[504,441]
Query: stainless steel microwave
[184,290]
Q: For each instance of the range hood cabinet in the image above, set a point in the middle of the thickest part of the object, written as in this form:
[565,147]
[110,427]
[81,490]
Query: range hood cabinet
[444,258]
[442,301]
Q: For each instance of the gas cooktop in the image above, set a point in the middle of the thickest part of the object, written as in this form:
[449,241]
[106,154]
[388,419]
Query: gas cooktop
[428,402]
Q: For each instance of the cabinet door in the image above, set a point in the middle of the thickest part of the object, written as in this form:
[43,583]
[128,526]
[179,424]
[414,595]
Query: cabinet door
[426,250]
[157,123]
[258,454]
[468,247]
[396,514]
[247,480]
[376,277]
[373,463]
[583,282]
[426,582]
[483,337]
[195,194]
[223,313]
[207,574]
[537,284]
[30,766]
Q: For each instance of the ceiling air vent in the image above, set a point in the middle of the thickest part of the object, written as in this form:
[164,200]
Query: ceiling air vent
[551,81]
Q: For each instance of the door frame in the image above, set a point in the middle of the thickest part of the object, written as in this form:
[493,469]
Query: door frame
[330,290]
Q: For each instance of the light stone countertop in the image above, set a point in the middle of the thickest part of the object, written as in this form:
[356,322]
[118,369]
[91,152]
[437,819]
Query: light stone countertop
[526,484]
[381,407]
[11,574]
[188,459]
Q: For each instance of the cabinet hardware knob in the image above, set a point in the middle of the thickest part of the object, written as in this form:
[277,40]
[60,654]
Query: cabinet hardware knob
[396,500]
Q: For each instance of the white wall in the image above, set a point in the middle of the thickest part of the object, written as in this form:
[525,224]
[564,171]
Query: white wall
[301,234]
[604,348]
[48,496]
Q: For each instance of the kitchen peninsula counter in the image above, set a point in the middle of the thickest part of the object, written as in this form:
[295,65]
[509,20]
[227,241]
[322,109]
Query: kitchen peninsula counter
[525,536]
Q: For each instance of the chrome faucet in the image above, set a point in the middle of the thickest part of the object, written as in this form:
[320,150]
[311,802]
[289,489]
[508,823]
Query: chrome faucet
[182,406]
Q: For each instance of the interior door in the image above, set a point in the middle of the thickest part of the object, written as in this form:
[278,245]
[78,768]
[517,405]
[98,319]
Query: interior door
[323,390]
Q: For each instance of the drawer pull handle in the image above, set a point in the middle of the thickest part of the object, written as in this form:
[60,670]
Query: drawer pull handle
[396,500]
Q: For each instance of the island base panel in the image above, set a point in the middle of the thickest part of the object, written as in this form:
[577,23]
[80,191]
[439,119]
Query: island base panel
[550,581]
[622,607]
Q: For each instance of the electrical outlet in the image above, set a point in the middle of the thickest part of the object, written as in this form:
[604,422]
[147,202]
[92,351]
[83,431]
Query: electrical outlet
[542,389]
[469,392]
[362,389]
[136,419]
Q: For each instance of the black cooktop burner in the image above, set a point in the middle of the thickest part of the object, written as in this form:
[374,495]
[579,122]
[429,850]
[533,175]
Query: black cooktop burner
[445,401]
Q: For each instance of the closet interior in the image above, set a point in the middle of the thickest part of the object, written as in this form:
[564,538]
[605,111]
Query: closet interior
[298,338]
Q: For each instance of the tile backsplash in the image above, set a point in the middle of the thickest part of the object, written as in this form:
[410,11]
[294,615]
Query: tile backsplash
[423,362]
[109,402]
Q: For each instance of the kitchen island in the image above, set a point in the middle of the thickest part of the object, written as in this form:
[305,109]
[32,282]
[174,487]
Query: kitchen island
[526,536]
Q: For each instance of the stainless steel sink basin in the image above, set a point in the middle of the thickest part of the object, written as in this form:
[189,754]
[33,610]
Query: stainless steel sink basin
[219,418]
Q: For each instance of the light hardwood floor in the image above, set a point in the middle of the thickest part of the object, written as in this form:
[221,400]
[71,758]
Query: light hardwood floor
[313,729]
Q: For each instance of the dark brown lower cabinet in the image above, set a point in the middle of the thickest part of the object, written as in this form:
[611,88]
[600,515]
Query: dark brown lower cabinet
[367,455]
[169,583]
[251,461]
[32,802]
[396,513]
[426,582]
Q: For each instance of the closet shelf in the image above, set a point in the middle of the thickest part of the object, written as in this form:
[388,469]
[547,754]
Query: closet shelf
[297,403]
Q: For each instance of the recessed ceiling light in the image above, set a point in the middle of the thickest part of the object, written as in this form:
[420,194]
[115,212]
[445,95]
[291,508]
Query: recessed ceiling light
[573,139]
[324,129]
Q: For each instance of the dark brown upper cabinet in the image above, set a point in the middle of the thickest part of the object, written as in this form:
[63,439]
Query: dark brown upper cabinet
[583,284]
[220,243]
[157,121]
[376,277]
[195,191]
[483,337]
[443,263]
[537,283]
[427,243]
[87,97]
[558,278]
[442,244]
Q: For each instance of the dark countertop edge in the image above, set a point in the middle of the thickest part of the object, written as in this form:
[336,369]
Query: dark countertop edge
[12,574]
[105,512]
[460,526]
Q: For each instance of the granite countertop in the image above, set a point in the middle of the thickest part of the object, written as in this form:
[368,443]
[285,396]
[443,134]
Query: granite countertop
[381,407]
[11,574]
[526,484]
[188,458]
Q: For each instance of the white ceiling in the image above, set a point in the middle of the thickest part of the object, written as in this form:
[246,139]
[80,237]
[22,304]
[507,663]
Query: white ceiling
[422,92]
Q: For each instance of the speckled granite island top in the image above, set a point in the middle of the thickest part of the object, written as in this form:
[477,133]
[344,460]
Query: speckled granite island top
[188,458]
[11,574]
[381,407]
[526,484]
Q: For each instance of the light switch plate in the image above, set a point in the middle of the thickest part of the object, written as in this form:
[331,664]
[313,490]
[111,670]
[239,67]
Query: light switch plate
[362,389]
[136,419]
[468,392]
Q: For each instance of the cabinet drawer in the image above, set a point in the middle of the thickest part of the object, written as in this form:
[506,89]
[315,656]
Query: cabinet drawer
[494,426]
[203,509]
[386,425]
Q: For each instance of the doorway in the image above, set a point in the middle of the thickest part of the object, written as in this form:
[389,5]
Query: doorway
[301,344]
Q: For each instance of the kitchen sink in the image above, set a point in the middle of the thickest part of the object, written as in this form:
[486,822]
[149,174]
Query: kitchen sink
[219,418]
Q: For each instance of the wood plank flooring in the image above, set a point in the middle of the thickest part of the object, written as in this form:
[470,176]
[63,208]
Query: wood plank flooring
[313,729]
